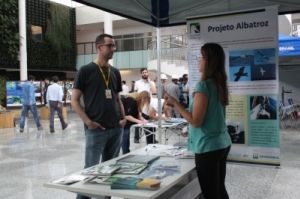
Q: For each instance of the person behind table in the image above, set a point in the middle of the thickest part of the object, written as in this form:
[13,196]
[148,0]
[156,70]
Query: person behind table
[132,117]
[144,84]
[147,112]
[99,83]
[208,136]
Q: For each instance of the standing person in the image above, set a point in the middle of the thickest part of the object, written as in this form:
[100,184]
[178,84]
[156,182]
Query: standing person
[132,87]
[145,84]
[99,83]
[125,89]
[46,84]
[173,90]
[29,103]
[163,80]
[185,90]
[55,102]
[208,136]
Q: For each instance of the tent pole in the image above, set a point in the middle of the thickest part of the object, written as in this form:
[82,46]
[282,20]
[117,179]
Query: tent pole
[159,106]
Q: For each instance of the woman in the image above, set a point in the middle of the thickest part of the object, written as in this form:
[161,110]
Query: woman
[131,116]
[208,137]
[147,112]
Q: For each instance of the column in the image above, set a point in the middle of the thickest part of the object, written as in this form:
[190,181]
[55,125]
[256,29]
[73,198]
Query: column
[23,44]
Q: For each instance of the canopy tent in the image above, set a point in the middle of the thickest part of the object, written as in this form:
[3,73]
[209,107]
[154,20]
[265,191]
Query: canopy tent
[163,13]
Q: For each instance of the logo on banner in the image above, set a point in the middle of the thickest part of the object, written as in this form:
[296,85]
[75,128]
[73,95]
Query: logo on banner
[195,28]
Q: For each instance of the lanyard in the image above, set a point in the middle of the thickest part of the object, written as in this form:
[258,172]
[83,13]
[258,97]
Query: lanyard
[106,80]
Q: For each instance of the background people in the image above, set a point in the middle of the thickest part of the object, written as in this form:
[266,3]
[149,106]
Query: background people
[99,83]
[173,90]
[208,136]
[125,89]
[55,102]
[46,84]
[29,103]
[145,84]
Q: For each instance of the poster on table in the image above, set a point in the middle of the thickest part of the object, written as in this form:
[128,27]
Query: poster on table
[250,42]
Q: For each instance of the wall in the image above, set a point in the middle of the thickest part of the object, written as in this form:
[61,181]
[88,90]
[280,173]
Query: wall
[89,15]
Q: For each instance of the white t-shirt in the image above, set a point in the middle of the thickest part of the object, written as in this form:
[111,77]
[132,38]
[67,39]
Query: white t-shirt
[125,90]
[141,85]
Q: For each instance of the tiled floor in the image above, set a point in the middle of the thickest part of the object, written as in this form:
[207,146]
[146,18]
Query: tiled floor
[32,158]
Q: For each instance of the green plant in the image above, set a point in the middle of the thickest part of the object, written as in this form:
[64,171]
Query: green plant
[58,30]
[9,37]
[2,90]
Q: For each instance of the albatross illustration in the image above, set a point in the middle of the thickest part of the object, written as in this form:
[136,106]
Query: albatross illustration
[240,73]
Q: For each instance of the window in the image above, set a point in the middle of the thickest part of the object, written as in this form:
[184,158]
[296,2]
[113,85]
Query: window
[36,33]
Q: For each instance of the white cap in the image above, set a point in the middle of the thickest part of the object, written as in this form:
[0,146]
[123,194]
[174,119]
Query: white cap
[163,76]
[174,76]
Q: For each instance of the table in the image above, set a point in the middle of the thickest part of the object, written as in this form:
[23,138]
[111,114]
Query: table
[168,127]
[183,185]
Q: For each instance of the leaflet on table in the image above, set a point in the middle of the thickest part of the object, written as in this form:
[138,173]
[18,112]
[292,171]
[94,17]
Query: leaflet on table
[102,180]
[106,170]
[143,159]
[71,179]
[168,151]
[136,183]
[130,168]
[161,169]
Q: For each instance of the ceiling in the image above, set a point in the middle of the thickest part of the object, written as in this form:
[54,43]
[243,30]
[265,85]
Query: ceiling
[163,13]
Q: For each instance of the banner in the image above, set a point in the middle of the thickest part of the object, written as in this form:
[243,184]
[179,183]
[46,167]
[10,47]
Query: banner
[250,42]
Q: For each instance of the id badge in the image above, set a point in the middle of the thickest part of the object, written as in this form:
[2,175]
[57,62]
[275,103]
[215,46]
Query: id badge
[108,94]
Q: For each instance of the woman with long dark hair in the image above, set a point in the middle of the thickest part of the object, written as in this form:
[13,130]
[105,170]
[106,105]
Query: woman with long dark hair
[208,136]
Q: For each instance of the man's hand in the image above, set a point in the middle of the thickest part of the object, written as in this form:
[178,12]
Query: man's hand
[94,125]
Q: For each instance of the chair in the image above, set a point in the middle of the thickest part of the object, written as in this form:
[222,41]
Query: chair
[287,114]
[294,113]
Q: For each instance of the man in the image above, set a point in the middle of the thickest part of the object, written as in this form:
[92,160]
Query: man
[145,84]
[173,90]
[185,91]
[125,89]
[29,103]
[46,84]
[163,80]
[99,83]
[55,102]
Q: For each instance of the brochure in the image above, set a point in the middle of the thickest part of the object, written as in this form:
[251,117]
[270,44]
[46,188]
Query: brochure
[136,183]
[106,170]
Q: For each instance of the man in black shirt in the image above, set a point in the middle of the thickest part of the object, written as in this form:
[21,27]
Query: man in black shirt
[99,83]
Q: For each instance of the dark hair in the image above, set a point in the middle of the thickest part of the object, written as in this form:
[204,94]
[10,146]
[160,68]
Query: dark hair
[31,78]
[100,38]
[214,68]
[124,82]
[55,79]
[142,69]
